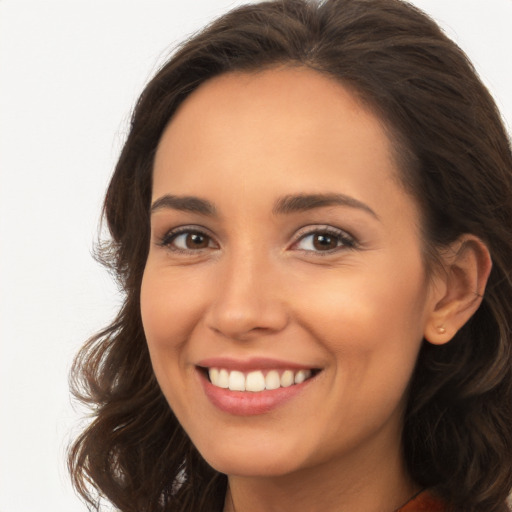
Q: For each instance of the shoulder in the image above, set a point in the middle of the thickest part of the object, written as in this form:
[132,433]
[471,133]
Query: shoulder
[427,502]
[424,502]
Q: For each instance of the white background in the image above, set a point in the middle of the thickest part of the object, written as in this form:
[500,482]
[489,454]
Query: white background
[70,71]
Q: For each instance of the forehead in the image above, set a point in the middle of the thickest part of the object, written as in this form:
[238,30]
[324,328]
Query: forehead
[286,105]
[278,131]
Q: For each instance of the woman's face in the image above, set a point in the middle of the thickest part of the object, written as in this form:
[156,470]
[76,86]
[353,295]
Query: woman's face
[283,248]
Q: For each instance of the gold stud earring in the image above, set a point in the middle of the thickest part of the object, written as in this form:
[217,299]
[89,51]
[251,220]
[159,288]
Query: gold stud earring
[441,329]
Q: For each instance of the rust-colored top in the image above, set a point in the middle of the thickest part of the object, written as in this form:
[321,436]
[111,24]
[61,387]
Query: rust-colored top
[424,502]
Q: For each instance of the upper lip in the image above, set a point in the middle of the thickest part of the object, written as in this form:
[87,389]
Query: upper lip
[252,364]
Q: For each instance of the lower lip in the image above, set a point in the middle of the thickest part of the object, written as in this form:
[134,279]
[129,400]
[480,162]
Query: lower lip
[247,403]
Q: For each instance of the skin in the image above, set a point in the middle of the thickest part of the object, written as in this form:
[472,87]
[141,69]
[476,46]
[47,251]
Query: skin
[259,287]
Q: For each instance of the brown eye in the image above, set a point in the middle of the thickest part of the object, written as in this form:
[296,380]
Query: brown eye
[324,242]
[196,241]
[188,241]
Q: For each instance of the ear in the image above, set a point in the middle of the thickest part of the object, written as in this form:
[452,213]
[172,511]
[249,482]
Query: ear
[458,288]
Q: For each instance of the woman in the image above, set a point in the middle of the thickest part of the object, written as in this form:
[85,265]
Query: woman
[310,220]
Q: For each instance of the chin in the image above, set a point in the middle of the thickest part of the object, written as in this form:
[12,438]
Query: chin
[251,463]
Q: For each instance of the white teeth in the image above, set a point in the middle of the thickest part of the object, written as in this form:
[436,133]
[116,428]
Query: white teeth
[287,379]
[255,381]
[214,375]
[301,376]
[236,381]
[223,381]
[272,380]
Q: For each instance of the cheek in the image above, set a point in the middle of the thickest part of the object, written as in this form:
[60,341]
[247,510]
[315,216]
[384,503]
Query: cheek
[166,316]
[372,324]
[169,311]
[365,305]
[170,307]
[373,335]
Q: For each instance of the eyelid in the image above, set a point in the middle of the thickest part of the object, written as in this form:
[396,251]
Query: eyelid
[171,234]
[348,241]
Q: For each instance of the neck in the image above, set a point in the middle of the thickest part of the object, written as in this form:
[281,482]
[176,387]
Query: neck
[354,485]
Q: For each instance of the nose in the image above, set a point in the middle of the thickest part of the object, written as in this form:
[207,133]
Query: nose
[248,302]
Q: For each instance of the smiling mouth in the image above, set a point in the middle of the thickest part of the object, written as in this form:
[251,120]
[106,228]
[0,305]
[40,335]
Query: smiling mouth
[257,381]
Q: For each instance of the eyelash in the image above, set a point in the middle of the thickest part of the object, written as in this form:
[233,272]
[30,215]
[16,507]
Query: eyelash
[171,236]
[344,240]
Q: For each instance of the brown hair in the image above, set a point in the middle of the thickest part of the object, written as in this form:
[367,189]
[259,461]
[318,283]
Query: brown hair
[456,161]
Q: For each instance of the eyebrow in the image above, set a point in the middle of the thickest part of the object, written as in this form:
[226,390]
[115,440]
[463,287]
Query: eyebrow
[184,203]
[284,205]
[304,202]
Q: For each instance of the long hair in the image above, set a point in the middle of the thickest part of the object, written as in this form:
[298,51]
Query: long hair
[455,159]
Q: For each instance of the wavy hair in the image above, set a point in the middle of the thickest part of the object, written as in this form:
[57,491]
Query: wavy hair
[455,159]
